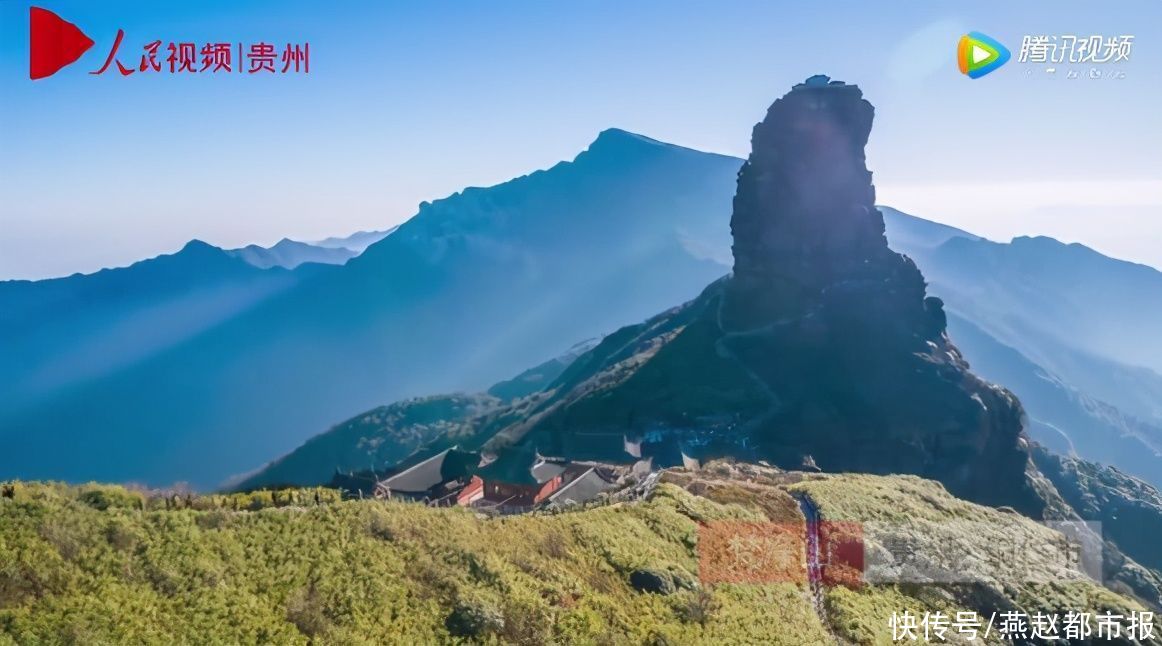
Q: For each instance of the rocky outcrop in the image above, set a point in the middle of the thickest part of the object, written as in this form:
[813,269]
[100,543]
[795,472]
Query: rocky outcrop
[1128,510]
[805,220]
[837,325]
[653,581]
[822,347]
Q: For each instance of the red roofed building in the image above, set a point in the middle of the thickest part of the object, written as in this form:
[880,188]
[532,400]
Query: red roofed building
[517,478]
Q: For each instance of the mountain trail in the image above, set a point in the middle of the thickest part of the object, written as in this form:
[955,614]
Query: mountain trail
[814,562]
[723,349]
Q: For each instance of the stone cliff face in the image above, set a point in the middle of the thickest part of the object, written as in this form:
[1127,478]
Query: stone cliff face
[805,220]
[821,349]
[837,325]
[1129,509]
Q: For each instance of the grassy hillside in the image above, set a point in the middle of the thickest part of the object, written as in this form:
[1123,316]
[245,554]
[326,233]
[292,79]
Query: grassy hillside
[100,565]
[992,559]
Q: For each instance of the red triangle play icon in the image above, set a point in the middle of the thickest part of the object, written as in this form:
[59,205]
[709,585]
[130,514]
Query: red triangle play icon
[53,43]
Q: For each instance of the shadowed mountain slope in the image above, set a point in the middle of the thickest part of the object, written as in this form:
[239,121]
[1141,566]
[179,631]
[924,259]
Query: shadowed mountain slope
[821,348]
[474,288]
[197,366]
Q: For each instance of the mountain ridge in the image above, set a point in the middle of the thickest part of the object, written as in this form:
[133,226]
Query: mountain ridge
[390,323]
[289,254]
[462,234]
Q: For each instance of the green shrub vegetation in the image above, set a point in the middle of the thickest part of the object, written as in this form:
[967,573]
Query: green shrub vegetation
[98,564]
[993,554]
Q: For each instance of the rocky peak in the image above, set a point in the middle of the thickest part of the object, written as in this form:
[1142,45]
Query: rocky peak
[805,220]
[820,349]
[837,326]
[620,148]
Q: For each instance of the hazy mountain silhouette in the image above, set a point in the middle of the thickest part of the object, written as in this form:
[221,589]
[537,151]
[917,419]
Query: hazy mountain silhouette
[1076,400]
[289,254]
[1061,416]
[1089,318]
[199,366]
[475,287]
[357,242]
[56,334]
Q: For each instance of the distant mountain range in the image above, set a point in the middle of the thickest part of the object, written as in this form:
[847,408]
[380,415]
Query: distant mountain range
[475,287]
[1078,399]
[357,242]
[289,254]
[202,365]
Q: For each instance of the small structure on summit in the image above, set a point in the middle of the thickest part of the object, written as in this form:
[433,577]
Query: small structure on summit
[431,480]
[588,486]
[518,478]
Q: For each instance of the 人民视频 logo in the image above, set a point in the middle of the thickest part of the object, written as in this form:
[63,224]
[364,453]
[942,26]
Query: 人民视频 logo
[55,43]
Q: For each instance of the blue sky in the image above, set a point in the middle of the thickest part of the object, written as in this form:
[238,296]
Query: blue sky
[412,101]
